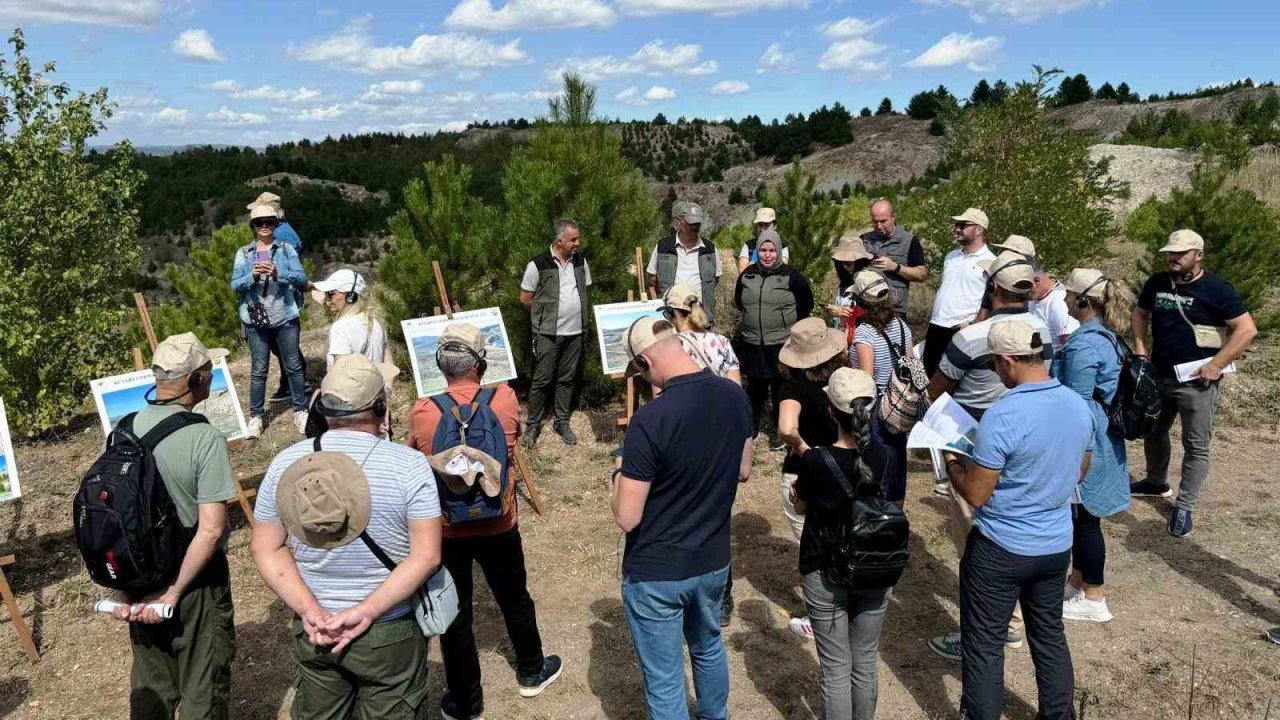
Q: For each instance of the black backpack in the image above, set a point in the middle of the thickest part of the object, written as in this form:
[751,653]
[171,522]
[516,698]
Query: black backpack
[1135,410]
[868,551]
[125,522]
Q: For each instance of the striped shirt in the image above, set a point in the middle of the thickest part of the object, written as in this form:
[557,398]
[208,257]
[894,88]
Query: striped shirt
[884,361]
[401,488]
[968,360]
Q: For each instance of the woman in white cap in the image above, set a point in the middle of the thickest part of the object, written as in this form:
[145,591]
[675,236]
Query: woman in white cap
[712,351]
[1090,365]
[811,354]
[356,330]
[846,621]
[879,341]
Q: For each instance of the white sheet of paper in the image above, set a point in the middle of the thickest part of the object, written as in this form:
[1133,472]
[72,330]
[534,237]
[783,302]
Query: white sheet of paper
[946,426]
[1187,371]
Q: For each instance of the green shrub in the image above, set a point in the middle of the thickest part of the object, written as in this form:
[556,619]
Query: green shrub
[67,244]
[808,221]
[207,306]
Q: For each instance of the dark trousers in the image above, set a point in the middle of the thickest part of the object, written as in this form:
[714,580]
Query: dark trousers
[1088,548]
[283,388]
[556,361]
[992,579]
[286,337]
[501,559]
[896,444]
[936,340]
[759,389]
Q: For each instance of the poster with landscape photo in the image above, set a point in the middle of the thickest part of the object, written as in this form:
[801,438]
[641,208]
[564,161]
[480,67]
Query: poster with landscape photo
[612,322]
[119,395]
[9,487]
[423,337]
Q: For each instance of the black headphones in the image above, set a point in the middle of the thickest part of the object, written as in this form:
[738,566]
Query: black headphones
[455,346]
[352,295]
[1082,300]
[1008,265]
[378,408]
[639,360]
[194,380]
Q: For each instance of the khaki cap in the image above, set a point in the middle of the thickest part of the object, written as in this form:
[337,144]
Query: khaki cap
[267,198]
[1184,240]
[693,215]
[1019,244]
[262,211]
[1014,337]
[323,500]
[1088,282]
[847,385]
[766,215]
[1011,271]
[870,286]
[180,355]
[811,343]
[642,335]
[973,215]
[850,249]
[356,380]
[682,296]
[464,333]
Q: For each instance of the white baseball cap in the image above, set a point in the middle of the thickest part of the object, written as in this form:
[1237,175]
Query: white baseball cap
[340,281]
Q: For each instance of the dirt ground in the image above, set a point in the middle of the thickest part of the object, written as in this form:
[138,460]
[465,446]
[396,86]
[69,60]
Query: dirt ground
[1210,596]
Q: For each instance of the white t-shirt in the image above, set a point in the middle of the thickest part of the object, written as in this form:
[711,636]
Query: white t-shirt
[963,283]
[745,253]
[359,334]
[569,319]
[686,264]
[1052,309]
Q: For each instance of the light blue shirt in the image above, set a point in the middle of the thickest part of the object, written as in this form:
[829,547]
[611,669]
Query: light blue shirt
[1036,435]
[279,295]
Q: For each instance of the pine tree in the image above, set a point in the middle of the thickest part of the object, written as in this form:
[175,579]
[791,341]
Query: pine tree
[886,107]
[864,112]
[1106,92]
[1073,90]
[808,221]
[981,93]
[206,304]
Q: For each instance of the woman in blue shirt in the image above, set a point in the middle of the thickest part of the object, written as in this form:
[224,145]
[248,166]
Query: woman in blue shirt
[268,277]
[1090,365]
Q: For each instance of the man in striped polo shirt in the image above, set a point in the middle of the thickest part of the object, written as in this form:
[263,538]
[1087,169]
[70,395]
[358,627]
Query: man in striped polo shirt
[322,507]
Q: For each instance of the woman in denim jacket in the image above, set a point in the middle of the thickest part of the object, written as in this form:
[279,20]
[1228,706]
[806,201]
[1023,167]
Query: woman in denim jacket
[1090,365]
[268,277]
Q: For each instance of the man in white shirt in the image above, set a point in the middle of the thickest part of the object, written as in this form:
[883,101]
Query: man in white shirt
[1049,303]
[686,258]
[554,288]
[963,283]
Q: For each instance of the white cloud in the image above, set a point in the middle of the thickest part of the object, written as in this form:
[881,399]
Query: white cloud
[1022,10]
[197,45]
[655,94]
[170,116]
[859,55]
[296,96]
[716,7]
[128,13]
[481,15]
[775,60]
[398,87]
[352,49]
[850,27]
[655,58]
[227,116]
[729,87]
[332,112]
[957,48]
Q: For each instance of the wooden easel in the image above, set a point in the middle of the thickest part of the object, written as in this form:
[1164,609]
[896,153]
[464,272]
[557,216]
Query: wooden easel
[633,394]
[523,474]
[243,496]
[15,613]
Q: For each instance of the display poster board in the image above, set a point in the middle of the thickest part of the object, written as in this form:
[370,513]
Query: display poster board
[119,395]
[10,488]
[612,322]
[422,335]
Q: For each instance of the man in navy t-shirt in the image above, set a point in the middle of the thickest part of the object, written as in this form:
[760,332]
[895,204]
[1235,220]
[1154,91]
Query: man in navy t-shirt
[673,497]
[1194,317]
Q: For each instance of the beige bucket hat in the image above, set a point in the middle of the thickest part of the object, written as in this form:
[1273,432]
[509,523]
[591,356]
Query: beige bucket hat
[323,500]
[811,343]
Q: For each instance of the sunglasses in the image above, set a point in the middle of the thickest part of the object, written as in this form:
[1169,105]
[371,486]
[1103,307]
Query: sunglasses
[264,223]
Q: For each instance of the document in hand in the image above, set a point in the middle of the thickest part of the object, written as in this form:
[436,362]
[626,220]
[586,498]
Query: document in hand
[1187,371]
[946,426]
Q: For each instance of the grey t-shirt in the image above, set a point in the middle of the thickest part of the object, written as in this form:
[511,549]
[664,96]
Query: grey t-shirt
[401,488]
[193,461]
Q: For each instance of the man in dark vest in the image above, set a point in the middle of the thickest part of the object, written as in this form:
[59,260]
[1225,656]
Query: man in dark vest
[554,288]
[896,252]
[686,257]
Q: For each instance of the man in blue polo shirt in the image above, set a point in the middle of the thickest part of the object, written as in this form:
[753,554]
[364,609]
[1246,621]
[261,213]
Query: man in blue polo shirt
[673,496]
[1033,448]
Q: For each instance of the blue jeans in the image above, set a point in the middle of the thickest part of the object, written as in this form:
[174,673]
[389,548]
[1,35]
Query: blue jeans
[665,614]
[260,340]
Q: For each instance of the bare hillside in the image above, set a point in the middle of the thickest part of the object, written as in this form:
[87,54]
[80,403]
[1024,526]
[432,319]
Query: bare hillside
[1106,119]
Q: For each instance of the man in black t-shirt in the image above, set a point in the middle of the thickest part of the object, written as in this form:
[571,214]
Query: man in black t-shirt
[673,497]
[1196,318]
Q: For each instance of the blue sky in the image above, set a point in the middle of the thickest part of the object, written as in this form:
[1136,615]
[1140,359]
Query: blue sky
[195,71]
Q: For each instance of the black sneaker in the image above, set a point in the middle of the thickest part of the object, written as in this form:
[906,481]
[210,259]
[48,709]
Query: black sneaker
[1273,635]
[565,432]
[1150,488]
[280,396]
[1180,523]
[449,710]
[531,435]
[533,685]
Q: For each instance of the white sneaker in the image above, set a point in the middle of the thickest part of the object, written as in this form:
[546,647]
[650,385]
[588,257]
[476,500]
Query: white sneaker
[254,427]
[1082,608]
[942,488]
[1069,591]
[300,421]
[801,626]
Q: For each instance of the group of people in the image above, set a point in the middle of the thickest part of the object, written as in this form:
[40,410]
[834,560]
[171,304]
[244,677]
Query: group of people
[349,526]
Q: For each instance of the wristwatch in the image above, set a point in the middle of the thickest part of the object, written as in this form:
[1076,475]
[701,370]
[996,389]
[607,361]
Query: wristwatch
[898,270]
